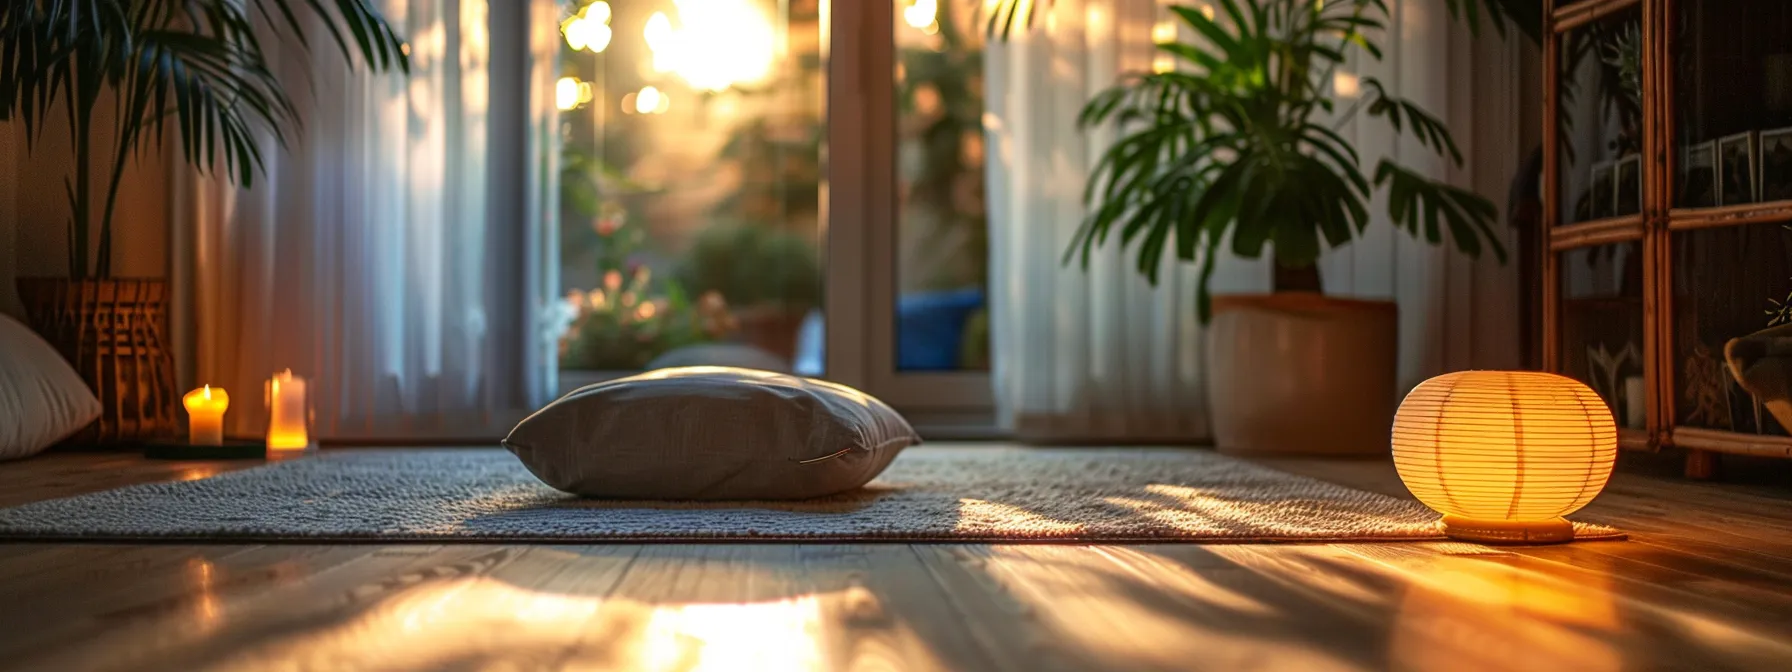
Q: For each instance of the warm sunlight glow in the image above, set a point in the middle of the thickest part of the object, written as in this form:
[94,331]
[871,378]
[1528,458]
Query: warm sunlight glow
[718,44]
[566,93]
[781,635]
[978,516]
[1483,609]
[587,35]
[650,101]
[1207,11]
[589,29]
[571,93]
[1504,454]
[658,32]
[1161,64]
[1346,84]
[1164,32]
[922,13]
[487,623]
[682,371]
[1067,589]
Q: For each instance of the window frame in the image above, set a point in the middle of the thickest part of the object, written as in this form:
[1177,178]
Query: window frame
[861,265]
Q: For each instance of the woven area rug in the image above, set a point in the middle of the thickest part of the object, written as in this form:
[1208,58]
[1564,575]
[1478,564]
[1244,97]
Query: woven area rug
[928,494]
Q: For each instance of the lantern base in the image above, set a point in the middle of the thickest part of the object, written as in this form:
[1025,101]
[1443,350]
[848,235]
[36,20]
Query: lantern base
[1554,531]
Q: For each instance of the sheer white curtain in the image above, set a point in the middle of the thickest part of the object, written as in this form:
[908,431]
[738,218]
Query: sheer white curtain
[1456,313]
[1081,355]
[1101,355]
[392,255]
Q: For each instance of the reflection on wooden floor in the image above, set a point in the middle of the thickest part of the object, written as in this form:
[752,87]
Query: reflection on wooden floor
[1706,583]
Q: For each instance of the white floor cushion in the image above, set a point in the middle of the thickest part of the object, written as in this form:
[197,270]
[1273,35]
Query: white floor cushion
[42,399]
[711,433]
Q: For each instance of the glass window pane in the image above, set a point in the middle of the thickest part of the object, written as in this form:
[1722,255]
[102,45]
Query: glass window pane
[1733,102]
[692,183]
[1729,283]
[1602,326]
[942,235]
[1600,119]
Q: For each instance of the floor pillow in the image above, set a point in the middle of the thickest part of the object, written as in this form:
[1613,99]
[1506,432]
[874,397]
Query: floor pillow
[42,399]
[711,433]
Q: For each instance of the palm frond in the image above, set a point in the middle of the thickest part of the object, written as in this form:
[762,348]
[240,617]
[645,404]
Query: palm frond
[200,63]
[1419,204]
[1400,113]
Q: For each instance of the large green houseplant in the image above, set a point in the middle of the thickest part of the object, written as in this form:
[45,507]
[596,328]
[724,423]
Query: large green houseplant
[134,68]
[1236,150]
[1240,147]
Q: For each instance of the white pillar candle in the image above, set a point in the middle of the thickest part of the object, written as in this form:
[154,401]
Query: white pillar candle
[286,412]
[205,415]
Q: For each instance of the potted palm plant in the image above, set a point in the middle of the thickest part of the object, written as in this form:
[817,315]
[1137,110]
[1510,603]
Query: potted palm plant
[136,67]
[1235,151]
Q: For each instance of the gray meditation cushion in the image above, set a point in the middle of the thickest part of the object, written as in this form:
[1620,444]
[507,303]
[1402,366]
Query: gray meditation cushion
[710,433]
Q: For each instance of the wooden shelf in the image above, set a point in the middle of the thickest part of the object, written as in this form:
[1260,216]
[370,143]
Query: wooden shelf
[1582,13]
[1687,219]
[1663,258]
[1634,439]
[1597,232]
[1719,441]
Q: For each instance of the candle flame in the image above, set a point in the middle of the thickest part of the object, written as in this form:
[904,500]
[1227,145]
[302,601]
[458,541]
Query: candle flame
[208,393]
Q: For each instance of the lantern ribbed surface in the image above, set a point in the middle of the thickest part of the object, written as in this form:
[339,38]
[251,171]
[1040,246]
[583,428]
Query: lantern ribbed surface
[1504,445]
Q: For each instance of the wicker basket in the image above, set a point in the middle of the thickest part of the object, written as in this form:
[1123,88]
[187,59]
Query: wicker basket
[113,332]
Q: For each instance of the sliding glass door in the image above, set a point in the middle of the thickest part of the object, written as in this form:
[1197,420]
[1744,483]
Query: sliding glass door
[929,334]
[692,183]
[777,183]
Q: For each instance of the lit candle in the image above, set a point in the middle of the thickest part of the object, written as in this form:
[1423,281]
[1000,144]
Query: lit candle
[205,415]
[286,412]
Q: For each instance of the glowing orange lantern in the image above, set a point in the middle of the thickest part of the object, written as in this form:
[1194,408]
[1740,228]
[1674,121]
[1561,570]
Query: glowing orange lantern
[1505,454]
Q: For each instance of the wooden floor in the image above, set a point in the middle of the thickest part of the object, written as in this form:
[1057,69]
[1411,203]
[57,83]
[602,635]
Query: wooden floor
[1705,583]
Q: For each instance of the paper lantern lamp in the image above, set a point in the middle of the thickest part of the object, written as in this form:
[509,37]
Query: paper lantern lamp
[1504,454]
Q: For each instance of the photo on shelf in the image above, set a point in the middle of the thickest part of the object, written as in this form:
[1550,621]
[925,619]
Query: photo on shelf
[1698,175]
[1736,162]
[1602,193]
[1776,165]
[1628,196]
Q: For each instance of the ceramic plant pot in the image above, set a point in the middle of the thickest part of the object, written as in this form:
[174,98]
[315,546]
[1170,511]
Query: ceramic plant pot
[1299,373]
[771,328]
